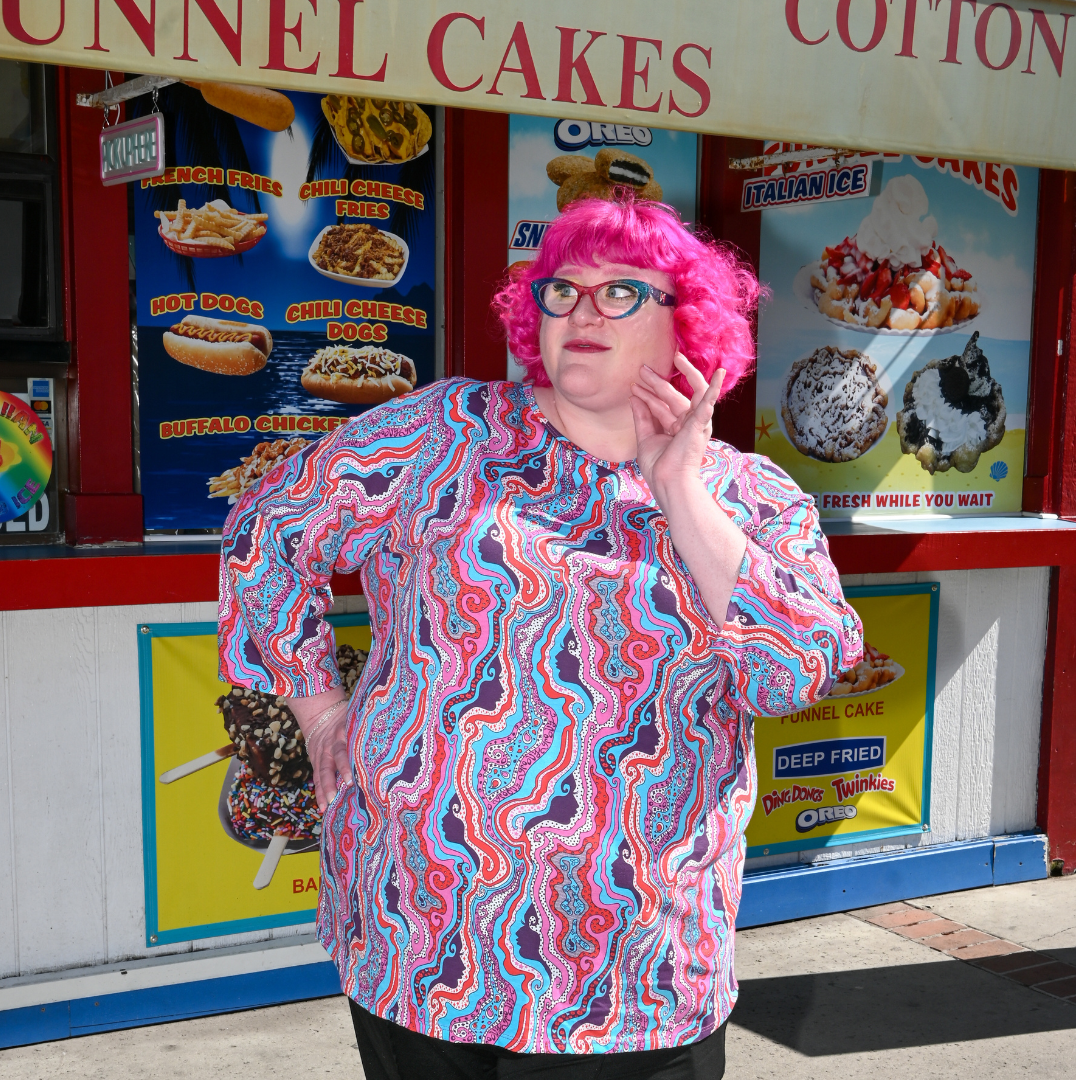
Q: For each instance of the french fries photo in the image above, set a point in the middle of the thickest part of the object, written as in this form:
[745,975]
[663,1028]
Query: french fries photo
[215,225]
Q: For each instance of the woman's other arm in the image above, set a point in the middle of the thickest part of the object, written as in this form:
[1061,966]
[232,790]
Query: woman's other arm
[321,511]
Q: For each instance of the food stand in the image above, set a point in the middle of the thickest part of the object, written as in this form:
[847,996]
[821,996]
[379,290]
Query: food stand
[107,597]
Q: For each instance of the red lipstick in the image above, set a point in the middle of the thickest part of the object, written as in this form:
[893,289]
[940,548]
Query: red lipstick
[585,345]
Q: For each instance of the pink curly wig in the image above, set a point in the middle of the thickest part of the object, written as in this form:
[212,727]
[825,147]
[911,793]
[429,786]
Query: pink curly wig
[717,294]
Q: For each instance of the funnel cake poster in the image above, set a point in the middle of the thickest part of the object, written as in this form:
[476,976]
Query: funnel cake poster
[856,766]
[231,827]
[894,352]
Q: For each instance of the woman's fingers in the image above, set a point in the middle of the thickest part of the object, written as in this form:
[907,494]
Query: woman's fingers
[676,402]
[667,418]
[325,780]
[703,412]
[697,381]
[645,419]
[719,377]
[342,762]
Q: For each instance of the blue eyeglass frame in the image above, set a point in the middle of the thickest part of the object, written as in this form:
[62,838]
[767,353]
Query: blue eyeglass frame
[645,292]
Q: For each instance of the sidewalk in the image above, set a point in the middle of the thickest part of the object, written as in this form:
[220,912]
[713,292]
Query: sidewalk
[839,995]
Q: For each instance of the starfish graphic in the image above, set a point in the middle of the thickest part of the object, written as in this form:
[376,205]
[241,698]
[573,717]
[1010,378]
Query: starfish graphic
[763,429]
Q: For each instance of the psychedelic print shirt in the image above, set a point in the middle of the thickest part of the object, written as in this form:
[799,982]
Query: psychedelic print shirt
[552,739]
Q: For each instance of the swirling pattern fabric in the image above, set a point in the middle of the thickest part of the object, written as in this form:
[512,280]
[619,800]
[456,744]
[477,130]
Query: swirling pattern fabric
[552,739]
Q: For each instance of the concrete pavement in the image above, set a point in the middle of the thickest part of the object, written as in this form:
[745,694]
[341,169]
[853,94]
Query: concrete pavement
[820,998]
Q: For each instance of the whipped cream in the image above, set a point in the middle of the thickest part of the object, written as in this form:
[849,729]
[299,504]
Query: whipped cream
[895,230]
[953,427]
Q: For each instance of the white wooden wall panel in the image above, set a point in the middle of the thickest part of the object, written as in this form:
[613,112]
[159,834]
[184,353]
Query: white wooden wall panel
[53,701]
[71,880]
[948,706]
[1016,753]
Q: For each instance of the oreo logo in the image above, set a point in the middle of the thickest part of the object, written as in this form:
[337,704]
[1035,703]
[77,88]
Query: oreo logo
[577,134]
[823,815]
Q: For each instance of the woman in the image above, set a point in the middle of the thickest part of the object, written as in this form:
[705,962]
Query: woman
[536,800]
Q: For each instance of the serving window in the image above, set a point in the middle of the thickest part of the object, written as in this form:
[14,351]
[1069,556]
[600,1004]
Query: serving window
[30,286]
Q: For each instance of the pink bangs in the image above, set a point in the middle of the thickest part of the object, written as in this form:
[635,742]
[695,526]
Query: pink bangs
[717,294]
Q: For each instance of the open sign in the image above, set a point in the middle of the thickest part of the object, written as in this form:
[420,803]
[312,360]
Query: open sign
[132,150]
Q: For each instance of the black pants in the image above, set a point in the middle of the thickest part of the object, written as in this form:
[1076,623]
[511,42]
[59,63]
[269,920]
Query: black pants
[391,1052]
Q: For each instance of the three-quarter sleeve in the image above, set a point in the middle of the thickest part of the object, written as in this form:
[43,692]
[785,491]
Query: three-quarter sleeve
[789,632]
[323,510]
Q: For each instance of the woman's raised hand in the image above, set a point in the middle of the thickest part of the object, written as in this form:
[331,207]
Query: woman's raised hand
[672,431]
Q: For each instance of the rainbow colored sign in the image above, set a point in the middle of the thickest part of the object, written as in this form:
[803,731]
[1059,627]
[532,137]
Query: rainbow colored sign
[25,457]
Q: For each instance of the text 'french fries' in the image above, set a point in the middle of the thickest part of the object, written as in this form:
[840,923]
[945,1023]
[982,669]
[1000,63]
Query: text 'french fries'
[214,225]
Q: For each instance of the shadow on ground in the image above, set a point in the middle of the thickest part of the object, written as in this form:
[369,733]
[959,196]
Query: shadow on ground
[888,1008]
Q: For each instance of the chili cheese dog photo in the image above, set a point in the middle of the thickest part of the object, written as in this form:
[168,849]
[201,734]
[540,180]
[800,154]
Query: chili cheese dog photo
[219,345]
[368,375]
[256,104]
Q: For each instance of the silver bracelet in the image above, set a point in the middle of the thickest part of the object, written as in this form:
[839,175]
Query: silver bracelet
[321,722]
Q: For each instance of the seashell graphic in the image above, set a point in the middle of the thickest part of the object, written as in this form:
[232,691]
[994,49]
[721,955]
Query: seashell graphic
[999,470]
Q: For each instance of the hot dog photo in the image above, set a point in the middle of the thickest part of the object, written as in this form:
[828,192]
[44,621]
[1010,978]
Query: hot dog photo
[284,283]
[223,346]
[368,375]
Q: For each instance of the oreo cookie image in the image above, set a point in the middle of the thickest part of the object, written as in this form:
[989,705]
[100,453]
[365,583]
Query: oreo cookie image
[954,411]
[619,167]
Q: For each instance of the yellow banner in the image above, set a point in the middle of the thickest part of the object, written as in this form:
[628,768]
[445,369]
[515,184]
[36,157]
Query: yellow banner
[856,766]
[203,878]
[966,78]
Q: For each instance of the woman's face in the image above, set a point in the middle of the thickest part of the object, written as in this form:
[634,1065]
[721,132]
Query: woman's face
[592,361]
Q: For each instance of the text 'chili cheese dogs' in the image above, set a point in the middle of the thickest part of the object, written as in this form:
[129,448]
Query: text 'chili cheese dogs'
[256,104]
[367,375]
[219,345]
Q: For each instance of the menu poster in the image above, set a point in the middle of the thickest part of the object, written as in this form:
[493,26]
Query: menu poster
[285,275]
[553,162]
[230,837]
[856,766]
[893,356]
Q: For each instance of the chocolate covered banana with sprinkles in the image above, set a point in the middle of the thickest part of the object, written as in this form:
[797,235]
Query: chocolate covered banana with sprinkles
[265,732]
[266,735]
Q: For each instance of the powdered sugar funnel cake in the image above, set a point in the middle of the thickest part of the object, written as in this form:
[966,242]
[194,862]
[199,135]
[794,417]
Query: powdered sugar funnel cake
[953,412]
[833,405]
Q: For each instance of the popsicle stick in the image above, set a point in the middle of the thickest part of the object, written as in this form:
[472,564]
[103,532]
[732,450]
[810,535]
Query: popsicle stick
[270,860]
[198,763]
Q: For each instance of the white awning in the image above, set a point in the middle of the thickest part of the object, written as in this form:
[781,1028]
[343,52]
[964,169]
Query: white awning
[959,78]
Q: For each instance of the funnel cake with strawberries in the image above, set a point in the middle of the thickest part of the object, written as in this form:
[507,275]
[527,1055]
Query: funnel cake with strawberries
[893,274]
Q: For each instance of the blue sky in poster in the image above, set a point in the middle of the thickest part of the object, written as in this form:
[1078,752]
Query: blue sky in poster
[997,248]
[277,273]
[672,156]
